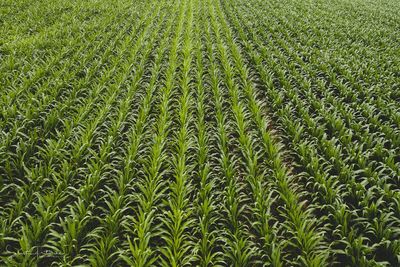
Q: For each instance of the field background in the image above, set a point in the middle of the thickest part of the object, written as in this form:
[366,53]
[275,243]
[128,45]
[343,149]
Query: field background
[200,133]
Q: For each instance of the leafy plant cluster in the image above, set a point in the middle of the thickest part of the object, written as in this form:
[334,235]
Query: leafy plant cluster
[199,133]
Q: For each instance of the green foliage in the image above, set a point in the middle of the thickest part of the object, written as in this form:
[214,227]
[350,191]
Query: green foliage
[199,133]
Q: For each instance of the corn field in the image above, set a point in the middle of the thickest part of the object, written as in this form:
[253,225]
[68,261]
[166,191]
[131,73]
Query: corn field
[200,133]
